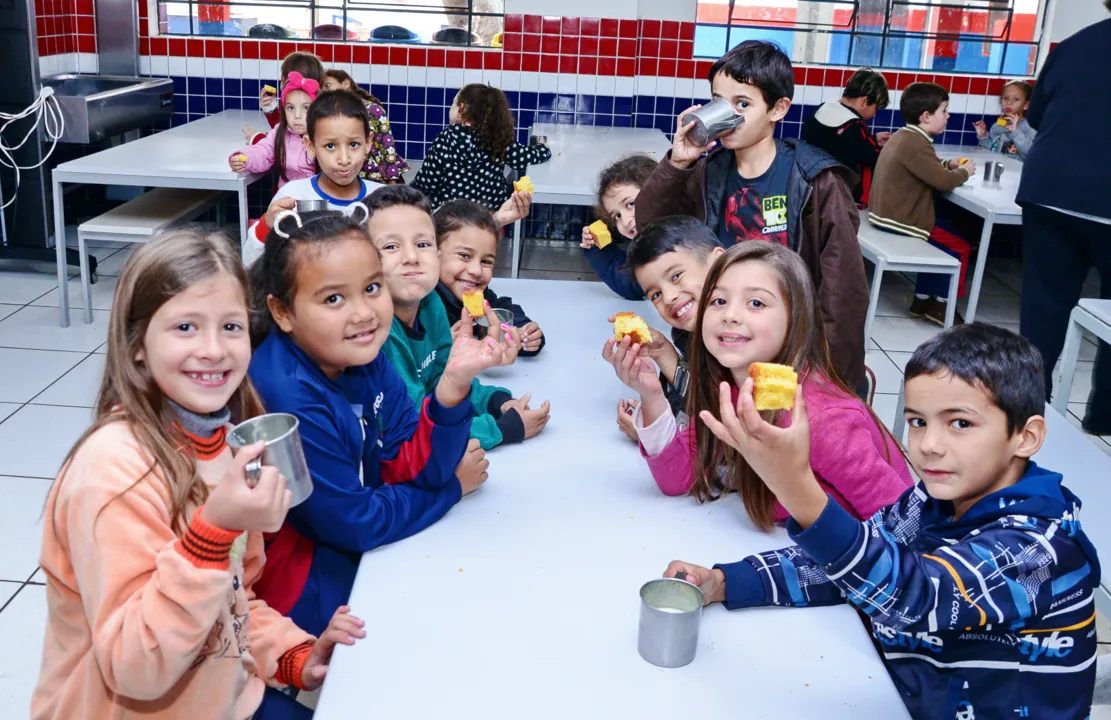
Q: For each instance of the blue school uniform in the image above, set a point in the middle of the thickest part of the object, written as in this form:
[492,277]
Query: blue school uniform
[383,469]
[611,263]
[991,615]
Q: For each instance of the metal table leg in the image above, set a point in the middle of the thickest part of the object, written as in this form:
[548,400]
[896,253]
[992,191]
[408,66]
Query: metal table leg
[243,221]
[981,263]
[516,249]
[60,250]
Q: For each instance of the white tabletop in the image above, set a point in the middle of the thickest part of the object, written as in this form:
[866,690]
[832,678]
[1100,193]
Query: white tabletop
[523,601]
[580,152]
[197,151]
[980,198]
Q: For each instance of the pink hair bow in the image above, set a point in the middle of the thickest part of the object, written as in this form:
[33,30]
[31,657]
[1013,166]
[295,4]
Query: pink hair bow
[297,81]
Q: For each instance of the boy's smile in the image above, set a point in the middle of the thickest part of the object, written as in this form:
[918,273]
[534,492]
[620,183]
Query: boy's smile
[406,241]
[467,258]
[673,284]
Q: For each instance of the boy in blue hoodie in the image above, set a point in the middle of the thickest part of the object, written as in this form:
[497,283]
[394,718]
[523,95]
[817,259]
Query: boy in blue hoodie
[979,582]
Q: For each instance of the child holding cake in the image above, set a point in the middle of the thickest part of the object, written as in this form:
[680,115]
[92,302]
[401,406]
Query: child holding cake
[756,307]
[1010,134]
[618,187]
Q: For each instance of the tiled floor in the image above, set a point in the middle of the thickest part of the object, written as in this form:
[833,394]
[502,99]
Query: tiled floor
[49,378]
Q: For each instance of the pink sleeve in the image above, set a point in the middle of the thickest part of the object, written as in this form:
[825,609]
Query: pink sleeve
[671,467]
[843,452]
[260,156]
[272,634]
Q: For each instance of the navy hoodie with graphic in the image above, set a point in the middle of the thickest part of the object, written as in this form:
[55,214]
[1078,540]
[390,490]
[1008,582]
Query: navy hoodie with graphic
[988,616]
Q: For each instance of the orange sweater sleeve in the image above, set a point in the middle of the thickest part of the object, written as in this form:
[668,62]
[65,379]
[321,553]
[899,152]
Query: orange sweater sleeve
[150,604]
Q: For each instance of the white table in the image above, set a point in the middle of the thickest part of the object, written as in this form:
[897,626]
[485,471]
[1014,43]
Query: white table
[579,154]
[194,155]
[523,601]
[995,204]
[1093,316]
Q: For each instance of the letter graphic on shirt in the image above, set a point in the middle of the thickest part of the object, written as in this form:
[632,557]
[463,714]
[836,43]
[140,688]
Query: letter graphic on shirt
[750,217]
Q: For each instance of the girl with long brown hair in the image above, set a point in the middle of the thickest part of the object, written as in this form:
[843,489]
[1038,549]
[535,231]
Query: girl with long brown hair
[152,530]
[467,161]
[758,304]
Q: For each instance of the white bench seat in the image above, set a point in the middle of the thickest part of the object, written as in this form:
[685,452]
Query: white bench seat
[1093,316]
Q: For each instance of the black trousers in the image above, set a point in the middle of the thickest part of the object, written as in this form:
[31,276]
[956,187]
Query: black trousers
[1058,250]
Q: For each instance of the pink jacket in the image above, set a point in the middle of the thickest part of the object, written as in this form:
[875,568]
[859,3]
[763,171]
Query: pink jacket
[846,453]
[260,156]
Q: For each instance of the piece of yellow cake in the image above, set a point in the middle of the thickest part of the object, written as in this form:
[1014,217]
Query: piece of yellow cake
[773,386]
[627,323]
[962,161]
[524,185]
[1001,121]
[601,233]
[241,157]
[475,303]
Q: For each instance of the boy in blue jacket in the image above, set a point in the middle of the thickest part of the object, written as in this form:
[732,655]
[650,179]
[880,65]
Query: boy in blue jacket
[979,583]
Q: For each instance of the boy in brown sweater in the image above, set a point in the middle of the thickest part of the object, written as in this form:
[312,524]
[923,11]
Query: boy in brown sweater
[902,194]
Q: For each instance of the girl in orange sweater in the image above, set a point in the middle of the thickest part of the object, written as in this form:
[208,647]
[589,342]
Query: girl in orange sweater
[153,534]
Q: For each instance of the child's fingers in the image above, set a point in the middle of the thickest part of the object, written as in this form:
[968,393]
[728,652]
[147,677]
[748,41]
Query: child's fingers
[750,420]
[799,418]
[466,326]
[719,430]
[729,412]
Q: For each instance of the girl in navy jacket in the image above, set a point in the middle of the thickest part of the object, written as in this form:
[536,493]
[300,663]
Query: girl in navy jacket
[618,187]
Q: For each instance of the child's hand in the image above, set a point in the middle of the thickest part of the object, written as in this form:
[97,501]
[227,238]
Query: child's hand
[531,336]
[638,373]
[981,128]
[472,470]
[277,207]
[588,240]
[516,208]
[534,420]
[882,138]
[625,409]
[267,101]
[249,133]
[468,358]
[455,329]
[683,151]
[712,582]
[344,629]
[240,504]
[1012,123]
[236,163]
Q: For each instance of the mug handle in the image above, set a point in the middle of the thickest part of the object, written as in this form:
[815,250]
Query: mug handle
[254,470]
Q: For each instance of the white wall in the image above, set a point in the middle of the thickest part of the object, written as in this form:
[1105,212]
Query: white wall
[682,10]
[1068,16]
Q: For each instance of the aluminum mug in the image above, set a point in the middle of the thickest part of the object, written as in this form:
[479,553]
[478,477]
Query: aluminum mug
[505,317]
[670,615]
[993,171]
[283,450]
[304,206]
[711,121]
[538,140]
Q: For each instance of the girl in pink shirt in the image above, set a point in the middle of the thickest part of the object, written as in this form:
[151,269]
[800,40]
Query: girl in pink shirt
[152,531]
[758,304]
[284,146]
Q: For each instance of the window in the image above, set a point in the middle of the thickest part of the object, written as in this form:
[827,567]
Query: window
[994,37]
[438,22]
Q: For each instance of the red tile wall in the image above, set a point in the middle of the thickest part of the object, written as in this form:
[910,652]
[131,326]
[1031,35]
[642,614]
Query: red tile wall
[65,26]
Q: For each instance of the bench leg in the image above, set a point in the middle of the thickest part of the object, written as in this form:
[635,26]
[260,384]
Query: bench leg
[981,264]
[873,303]
[86,286]
[1069,356]
[60,250]
[243,221]
[951,306]
[899,425]
[517,230]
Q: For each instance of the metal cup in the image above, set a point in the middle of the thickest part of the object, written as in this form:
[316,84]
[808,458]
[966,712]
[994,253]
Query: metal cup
[304,206]
[711,121]
[505,317]
[993,171]
[538,140]
[670,614]
[283,450]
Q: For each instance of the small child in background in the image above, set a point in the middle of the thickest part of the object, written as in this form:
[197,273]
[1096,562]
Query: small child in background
[284,146]
[467,235]
[153,533]
[307,64]
[1011,134]
[404,233]
[338,130]
[758,304]
[383,164]
[902,194]
[979,583]
[618,187]
[468,158]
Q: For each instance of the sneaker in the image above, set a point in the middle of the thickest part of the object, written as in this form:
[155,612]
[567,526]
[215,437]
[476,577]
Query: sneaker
[933,310]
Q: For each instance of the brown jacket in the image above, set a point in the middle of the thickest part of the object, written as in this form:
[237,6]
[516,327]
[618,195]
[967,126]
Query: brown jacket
[822,224]
[907,174]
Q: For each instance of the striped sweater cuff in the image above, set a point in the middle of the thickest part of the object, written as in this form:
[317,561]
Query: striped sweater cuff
[292,664]
[205,545]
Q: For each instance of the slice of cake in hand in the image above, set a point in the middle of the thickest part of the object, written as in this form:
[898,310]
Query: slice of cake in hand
[632,325]
[601,233]
[524,185]
[475,303]
[773,386]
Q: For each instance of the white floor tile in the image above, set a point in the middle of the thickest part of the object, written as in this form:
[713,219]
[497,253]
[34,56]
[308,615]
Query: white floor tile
[114,264]
[1088,349]
[7,590]
[1101,712]
[6,310]
[991,285]
[888,377]
[884,407]
[104,291]
[38,577]
[78,387]
[26,373]
[891,333]
[1081,382]
[994,308]
[21,288]
[1076,414]
[7,409]
[38,328]
[23,627]
[900,359]
[21,518]
[895,297]
[35,440]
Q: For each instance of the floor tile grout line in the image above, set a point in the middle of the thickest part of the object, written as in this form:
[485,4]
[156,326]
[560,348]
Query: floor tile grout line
[13,597]
[57,380]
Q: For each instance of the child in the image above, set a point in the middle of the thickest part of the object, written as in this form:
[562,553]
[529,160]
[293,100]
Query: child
[902,198]
[152,537]
[382,468]
[618,187]
[759,188]
[383,164]
[337,133]
[402,229]
[757,305]
[307,64]
[979,582]
[283,146]
[468,159]
[467,235]
[1014,136]
[840,127]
